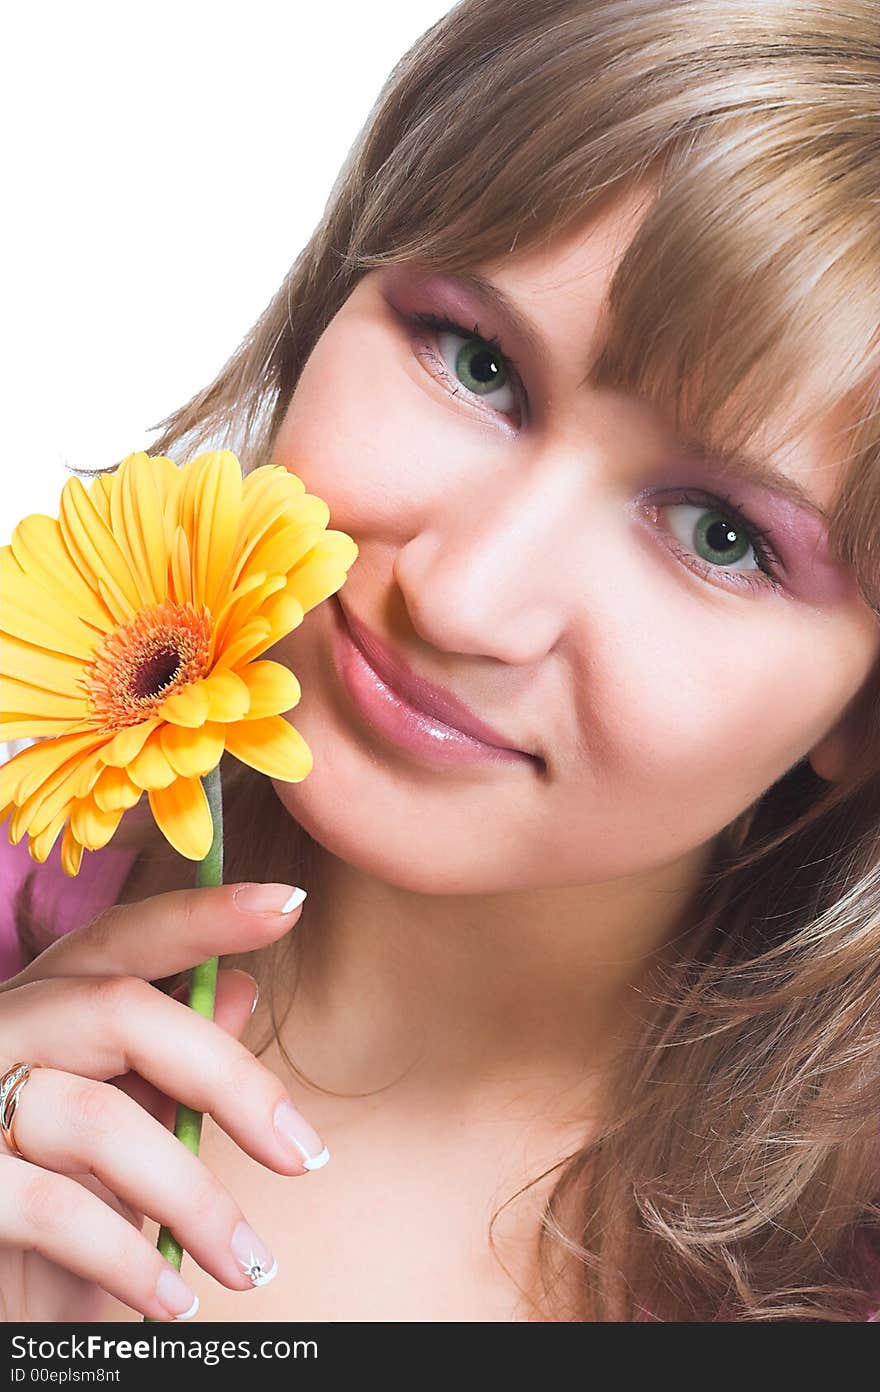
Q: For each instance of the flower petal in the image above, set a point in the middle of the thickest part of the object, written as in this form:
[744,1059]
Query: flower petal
[92,544]
[18,824]
[71,853]
[92,827]
[114,599]
[138,518]
[322,570]
[183,816]
[99,491]
[39,666]
[236,593]
[128,742]
[218,509]
[228,696]
[272,747]
[273,688]
[35,700]
[283,612]
[254,638]
[114,789]
[172,478]
[55,793]
[181,567]
[281,549]
[90,770]
[26,770]
[270,495]
[189,706]
[26,614]
[41,845]
[38,546]
[192,753]
[19,725]
[150,768]
[247,600]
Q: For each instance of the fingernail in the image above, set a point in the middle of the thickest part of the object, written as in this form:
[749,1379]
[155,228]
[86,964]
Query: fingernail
[175,1295]
[253,1256]
[255,987]
[294,1130]
[268,898]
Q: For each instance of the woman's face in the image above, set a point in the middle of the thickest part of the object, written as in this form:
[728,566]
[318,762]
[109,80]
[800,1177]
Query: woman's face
[549,554]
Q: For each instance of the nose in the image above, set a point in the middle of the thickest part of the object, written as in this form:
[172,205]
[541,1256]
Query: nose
[485,574]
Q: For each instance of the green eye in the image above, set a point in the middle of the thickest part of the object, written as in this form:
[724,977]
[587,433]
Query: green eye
[726,541]
[480,368]
[466,362]
[714,535]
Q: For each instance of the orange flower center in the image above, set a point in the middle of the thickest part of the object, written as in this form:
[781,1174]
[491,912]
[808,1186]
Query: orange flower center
[145,661]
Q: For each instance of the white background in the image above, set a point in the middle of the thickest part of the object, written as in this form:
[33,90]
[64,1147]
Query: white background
[163,165]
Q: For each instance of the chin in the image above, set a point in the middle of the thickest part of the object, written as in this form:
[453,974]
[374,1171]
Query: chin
[412,856]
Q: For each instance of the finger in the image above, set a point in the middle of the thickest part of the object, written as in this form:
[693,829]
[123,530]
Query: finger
[237,1003]
[165,934]
[234,989]
[94,1185]
[71,1125]
[235,999]
[51,1214]
[236,994]
[124,1023]
[151,1098]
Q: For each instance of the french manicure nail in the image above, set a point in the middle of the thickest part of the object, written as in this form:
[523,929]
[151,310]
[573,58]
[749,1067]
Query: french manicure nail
[268,898]
[255,987]
[175,1295]
[295,1131]
[253,1256]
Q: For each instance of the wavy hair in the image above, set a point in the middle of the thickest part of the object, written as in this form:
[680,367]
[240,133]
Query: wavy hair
[734,1174]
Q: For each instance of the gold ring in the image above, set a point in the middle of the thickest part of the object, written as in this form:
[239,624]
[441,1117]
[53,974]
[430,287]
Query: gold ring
[11,1084]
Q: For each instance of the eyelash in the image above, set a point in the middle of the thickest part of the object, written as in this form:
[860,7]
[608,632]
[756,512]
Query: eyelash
[759,540]
[759,537]
[440,323]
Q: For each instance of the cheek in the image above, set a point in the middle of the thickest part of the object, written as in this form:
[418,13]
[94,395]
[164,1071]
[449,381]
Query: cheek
[682,724]
[354,431]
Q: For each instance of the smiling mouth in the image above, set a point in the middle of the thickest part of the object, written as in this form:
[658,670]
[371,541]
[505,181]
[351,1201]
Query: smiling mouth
[410,711]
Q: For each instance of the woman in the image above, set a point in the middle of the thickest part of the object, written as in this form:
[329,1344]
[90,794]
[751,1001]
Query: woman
[583,1000]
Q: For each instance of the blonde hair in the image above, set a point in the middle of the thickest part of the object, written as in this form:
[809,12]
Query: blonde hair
[735,1174]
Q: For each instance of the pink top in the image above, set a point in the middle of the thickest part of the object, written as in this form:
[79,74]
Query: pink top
[65,903]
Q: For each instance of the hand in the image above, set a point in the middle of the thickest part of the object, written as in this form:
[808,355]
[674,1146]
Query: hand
[95,1123]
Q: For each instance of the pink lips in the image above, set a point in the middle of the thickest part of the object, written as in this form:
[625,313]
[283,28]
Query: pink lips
[408,709]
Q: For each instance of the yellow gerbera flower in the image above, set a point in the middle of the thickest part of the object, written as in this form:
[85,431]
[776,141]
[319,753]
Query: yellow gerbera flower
[129,629]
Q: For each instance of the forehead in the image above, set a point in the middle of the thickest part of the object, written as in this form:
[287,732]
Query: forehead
[561,289]
[570,274]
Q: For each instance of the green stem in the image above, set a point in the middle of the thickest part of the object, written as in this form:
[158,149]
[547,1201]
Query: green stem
[202,993]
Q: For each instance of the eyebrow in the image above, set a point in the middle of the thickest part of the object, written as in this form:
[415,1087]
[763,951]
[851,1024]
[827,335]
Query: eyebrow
[762,471]
[755,468]
[494,296]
